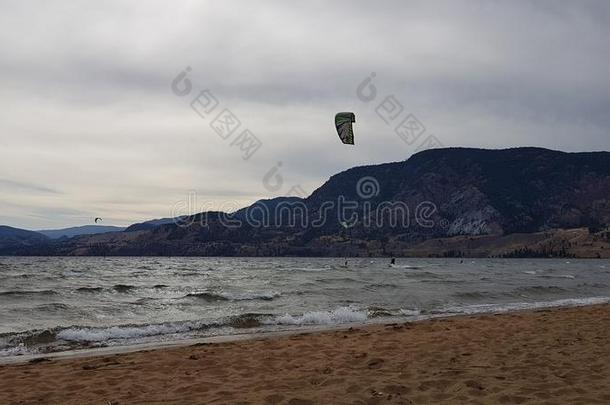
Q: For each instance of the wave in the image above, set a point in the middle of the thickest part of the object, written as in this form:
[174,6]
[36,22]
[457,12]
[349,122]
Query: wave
[144,301]
[46,339]
[27,293]
[311,269]
[189,273]
[410,312]
[380,312]
[22,275]
[89,289]
[207,296]
[267,296]
[248,320]
[11,351]
[226,296]
[123,288]
[517,292]
[28,342]
[569,276]
[519,306]
[53,307]
[405,266]
[90,334]
[129,332]
[376,286]
[337,316]
[592,285]
[548,274]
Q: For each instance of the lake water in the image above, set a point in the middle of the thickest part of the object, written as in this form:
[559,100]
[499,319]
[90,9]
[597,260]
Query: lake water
[56,304]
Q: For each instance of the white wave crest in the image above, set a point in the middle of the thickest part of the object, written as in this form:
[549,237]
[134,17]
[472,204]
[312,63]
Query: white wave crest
[250,295]
[410,312]
[16,351]
[335,317]
[569,276]
[124,332]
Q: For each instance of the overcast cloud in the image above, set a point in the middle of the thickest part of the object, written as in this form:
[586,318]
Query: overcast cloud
[90,126]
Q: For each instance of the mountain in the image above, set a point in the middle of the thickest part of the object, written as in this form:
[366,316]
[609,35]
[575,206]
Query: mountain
[447,202]
[79,230]
[14,240]
[148,225]
[492,191]
[268,205]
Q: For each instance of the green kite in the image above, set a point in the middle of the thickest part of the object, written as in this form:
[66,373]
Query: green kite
[343,123]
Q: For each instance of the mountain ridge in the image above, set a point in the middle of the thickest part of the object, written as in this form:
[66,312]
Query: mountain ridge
[440,193]
[79,230]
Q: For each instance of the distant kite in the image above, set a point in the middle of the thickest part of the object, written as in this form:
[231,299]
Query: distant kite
[96,220]
[343,123]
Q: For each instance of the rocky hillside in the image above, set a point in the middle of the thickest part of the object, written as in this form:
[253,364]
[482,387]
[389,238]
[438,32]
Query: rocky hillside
[453,194]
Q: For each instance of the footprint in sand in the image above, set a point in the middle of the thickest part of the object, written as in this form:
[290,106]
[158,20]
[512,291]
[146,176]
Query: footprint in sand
[474,384]
[374,364]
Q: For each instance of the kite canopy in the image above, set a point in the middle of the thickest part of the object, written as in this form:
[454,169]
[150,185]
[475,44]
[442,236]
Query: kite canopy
[96,220]
[343,123]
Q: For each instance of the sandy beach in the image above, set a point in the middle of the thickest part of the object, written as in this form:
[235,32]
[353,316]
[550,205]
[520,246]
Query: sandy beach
[558,356]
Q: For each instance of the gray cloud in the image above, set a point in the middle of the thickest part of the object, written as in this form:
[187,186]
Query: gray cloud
[10,185]
[87,106]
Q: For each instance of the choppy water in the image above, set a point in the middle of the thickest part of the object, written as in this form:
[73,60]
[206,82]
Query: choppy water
[54,304]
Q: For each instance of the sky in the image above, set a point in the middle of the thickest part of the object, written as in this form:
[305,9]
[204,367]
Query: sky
[96,120]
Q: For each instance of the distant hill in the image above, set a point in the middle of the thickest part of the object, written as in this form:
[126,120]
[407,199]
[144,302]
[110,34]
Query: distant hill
[148,225]
[79,230]
[453,201]
[12,240]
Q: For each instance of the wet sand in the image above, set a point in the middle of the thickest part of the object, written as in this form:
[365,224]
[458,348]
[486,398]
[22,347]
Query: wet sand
[559,356]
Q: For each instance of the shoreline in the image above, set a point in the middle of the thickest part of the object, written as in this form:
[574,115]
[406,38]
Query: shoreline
[489,309]
[288,330]
[561,350]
